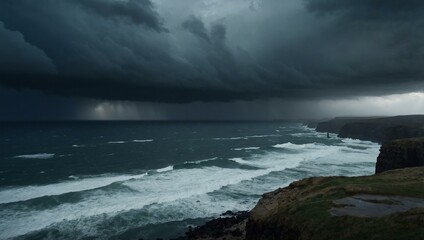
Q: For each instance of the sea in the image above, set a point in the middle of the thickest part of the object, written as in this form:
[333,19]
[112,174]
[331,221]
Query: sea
[149,180]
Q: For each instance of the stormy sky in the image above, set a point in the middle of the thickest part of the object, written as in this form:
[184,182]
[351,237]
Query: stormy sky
[210,59]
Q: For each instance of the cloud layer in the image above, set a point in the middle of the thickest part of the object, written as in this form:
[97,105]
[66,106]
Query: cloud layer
[212,50]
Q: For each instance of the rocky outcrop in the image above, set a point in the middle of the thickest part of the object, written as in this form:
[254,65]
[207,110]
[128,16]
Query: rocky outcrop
[384,129]
[230,226]
[401,154]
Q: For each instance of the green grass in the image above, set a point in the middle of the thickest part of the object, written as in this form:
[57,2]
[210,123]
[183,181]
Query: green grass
[308,212]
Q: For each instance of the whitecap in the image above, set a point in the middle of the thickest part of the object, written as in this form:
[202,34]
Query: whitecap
[240,161]
[263,136]
[231,138]
[37,156]
[165,169]
[142,141]
[293,146]
[201,161]
[116,142]
[246,148]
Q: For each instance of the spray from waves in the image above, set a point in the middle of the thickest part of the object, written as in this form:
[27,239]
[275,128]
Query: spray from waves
[36,156]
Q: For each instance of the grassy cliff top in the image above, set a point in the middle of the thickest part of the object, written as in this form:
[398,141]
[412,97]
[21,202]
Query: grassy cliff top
[303,208]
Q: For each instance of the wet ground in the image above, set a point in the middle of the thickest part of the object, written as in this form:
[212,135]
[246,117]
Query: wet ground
[374,205]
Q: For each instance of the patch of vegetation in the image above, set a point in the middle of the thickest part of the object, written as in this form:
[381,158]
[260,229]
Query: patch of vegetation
[305,208]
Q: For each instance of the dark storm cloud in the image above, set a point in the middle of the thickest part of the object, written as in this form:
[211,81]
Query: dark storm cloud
[137,11]
[196,27]
[379,41]
[18,56]
[188,50]
[369,8]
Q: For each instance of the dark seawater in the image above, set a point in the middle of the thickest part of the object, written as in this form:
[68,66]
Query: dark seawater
[130,180]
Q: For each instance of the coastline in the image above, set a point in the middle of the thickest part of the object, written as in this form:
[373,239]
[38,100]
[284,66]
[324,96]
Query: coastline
[276,215]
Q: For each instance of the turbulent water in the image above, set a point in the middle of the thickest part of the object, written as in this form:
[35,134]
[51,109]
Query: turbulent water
[130,180]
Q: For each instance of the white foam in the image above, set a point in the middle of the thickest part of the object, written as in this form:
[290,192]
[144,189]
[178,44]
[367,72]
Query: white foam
[263,136]
[37,156]
[142,141]
[305,127]
[272,161]
[312,135]
[164,187]
[165,169]
[246,148]
[240,161]
[116,142]
[78,146]
[201,161]
[358,143]
[29,192]
[73,177]
[293,146]
[231,138]
[247,137]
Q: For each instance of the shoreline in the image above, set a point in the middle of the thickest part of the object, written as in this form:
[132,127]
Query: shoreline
[243,228]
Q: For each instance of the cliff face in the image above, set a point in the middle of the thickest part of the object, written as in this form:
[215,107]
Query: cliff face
[401,154]
[400,132]
[384,129]
[385,206]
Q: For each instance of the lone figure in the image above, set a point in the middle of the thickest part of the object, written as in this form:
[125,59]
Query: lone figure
[328,135]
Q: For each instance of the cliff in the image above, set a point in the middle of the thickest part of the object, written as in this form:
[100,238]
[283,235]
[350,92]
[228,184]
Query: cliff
[343,208]
[384,129]
[400,154]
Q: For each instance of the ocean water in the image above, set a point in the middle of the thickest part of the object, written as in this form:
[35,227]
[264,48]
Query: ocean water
[131,180]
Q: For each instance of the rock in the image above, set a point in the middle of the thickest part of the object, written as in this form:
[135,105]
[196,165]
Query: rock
[401,154]
[230,228]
